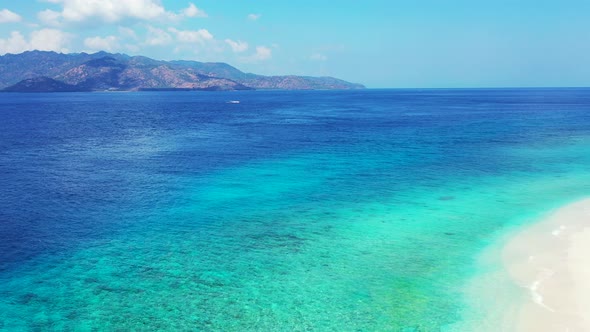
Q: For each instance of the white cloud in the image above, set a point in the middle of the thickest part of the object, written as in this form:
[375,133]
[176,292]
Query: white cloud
[109,43]
[237,46]
[49,17]
[43,40]
[49,40]
[127,33]
[193,11]
[192,36]
[262,53]
[92,12]
[318,57]
[132,48]
[110,11]
[6,16]
[254,17]
[157,37]
[15,44]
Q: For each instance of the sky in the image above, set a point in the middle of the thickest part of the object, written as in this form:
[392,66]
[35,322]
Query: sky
[379,43]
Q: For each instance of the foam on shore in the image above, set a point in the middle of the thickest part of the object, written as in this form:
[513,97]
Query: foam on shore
[551,259]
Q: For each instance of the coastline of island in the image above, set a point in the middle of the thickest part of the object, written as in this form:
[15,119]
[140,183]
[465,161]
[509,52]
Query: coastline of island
[41,71]
[533,277]
[550,260]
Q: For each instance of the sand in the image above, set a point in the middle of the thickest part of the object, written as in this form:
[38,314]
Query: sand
[551,259]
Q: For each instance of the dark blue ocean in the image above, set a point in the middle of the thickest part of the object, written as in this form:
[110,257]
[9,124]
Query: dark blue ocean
[358,210]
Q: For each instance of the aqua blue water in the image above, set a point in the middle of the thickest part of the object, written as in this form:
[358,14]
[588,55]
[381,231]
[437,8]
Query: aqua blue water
[291,211]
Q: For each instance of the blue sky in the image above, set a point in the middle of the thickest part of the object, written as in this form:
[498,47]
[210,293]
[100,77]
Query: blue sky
[417,43]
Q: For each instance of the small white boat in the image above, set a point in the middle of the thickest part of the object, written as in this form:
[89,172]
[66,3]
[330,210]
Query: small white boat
[233,102]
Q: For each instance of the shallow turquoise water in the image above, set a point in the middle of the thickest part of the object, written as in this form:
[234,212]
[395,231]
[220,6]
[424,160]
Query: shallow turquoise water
[327,211]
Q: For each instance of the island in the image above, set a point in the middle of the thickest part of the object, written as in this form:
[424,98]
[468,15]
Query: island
[42,71]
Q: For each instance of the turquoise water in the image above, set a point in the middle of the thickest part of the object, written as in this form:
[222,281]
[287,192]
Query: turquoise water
[291,211]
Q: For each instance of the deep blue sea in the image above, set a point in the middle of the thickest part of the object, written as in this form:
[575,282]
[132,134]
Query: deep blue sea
[358,210]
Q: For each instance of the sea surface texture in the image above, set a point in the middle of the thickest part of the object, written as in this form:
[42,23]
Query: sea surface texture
[290,211]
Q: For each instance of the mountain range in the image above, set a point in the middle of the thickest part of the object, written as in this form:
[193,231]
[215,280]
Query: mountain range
[39,71]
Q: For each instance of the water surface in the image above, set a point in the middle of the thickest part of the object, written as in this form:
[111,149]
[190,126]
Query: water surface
[328,211]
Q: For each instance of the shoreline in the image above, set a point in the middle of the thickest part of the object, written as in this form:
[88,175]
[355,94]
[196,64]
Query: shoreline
[551,261]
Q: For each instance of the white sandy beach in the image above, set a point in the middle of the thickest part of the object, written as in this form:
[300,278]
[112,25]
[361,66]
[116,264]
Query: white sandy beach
[552,260]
